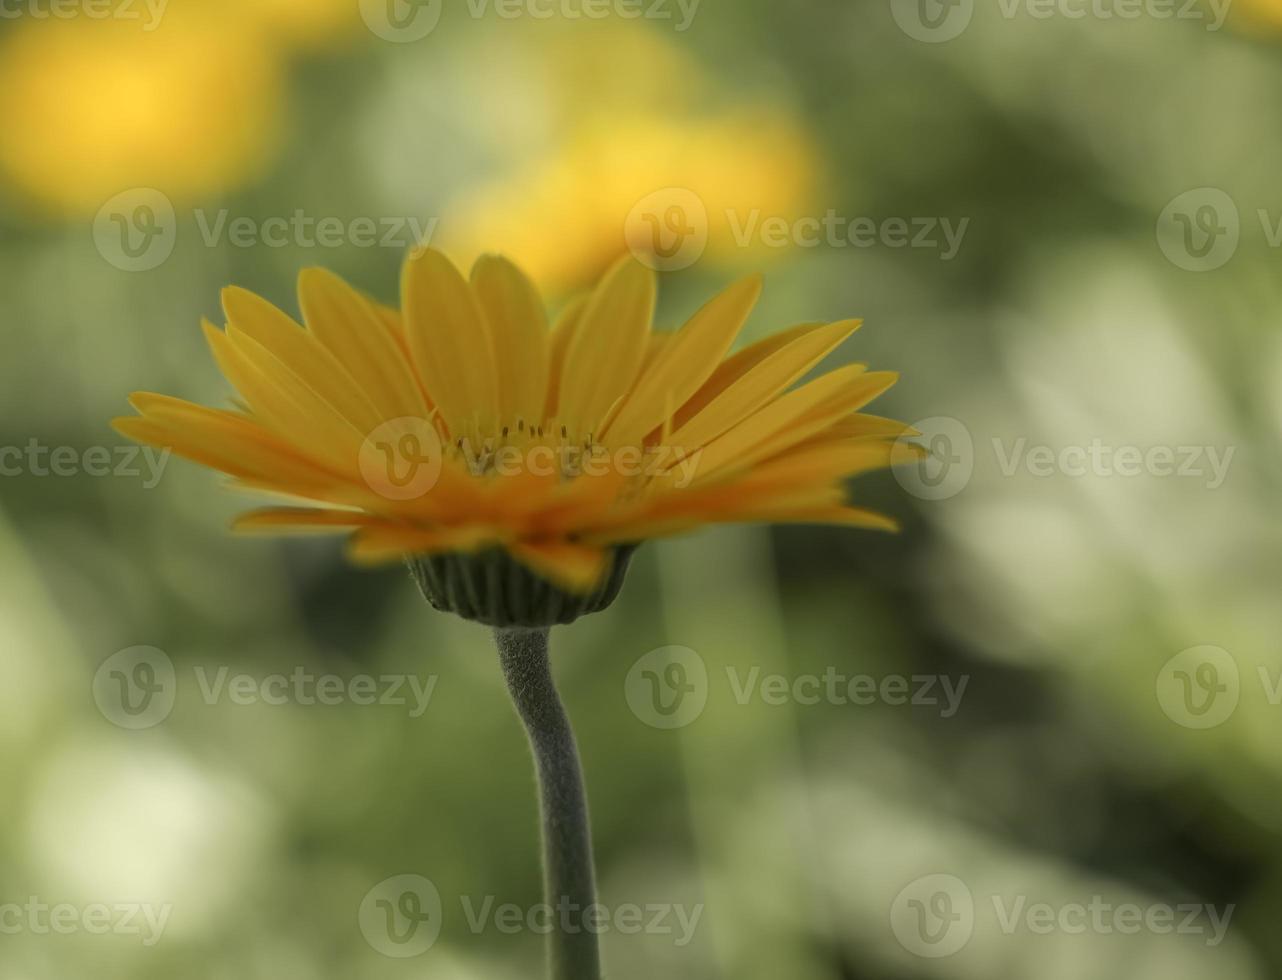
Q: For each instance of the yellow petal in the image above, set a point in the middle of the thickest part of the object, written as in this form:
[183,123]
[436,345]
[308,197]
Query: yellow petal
[842,516]
[608,347]
[859,426]
[385,543]
[301,353]
[348,326]
[224,441]
[574,567]
[283,402]
[567,324]
[680,513]
[314,520]
[450,341]
[760,384]
[684,362]
[791,419]
[518,325]
[736,366]
[822,462]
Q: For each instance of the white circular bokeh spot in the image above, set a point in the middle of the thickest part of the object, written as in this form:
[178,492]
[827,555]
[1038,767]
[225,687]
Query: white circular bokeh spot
[667,688]
[136,688]
[400,917]
[1199,687]
[933,916]
[136,230]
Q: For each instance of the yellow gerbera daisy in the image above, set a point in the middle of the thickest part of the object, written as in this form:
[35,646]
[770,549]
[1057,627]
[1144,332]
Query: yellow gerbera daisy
[463,432]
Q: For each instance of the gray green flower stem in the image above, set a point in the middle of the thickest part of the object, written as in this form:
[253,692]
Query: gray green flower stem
[568,878]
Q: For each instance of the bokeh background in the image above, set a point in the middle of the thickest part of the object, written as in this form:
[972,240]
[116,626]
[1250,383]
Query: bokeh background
[1113,176]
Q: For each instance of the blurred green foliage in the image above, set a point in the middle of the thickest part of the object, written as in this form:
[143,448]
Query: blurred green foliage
[1067,774]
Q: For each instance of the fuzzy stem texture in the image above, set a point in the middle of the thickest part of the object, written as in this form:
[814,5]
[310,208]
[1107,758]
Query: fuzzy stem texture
[568,878]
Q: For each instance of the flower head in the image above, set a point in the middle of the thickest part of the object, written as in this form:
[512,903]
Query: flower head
[466,425]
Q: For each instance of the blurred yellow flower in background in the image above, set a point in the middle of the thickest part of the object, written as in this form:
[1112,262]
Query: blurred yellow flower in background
[186,98]
[95,107]
[567,217]
[655,155]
